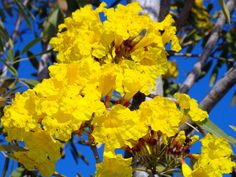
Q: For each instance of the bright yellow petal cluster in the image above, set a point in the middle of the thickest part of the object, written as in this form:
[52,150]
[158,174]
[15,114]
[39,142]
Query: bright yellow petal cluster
[127,39]
[214,160]
[79,35]
[162,115]
[124,53]
[190,105]
[53,110]
[201,15]
[172,71]
[114,166]
[42,152]
[117,127]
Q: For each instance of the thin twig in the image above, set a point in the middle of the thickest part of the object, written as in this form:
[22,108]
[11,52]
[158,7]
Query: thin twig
[95,153]
[214,37]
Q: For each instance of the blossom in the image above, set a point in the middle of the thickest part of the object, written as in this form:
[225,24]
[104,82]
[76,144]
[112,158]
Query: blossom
[214,160]
[20,117]
[124,53]
[161,114]
[172,71]
[116,127]
[191,106]
[114,166]
[42,152]
[133,42]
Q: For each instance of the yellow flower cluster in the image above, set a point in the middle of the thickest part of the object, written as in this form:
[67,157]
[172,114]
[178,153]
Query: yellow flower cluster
[114,166]
[49,113]
[129,46]
[201,15]
[214,160]
[160,114]
[172,71]
[190,106]
[125,53]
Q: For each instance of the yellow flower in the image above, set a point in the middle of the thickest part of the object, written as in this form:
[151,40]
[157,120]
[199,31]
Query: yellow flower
[162,115]
[190,106]
[117,127]
[126,38]
[214,160]
[172,71]
[84,23]
[196,113]
[43,152]
[21,115]
[180,138]
[114,166]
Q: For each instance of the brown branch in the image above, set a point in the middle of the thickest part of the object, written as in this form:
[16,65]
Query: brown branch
[164,9]
[184,14]
[214,37]
[216,93]
[219,90]
[95,153]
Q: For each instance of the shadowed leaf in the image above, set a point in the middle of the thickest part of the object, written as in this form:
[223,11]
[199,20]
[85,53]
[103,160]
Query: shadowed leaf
[22,10]
[215,130]
[33,60]
[30,44]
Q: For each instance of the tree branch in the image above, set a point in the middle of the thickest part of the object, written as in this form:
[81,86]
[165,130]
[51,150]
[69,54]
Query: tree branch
[152,7]
[214,37]
[216,93]
[184,14]
[219,90]
[164,9]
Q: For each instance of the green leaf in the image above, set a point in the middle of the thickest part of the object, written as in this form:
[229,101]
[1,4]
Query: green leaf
[11,68]
[6,84]
[16,57]
[11,148]
[50,25]
[22,10]
[30,44]
[215,130]
[33,60]
[19,172]
[233,127]
[225,10]
[29,82]
[10,54]
[1,45]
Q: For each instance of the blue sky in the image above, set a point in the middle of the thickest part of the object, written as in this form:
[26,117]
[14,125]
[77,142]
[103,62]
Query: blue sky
[222,114]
